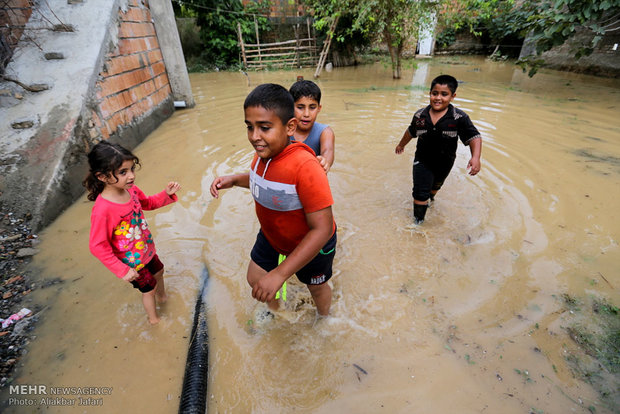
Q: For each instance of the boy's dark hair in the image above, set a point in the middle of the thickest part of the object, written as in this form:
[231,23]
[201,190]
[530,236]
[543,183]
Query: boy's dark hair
[105,158]
[305,89]
[447,80]
[272,97]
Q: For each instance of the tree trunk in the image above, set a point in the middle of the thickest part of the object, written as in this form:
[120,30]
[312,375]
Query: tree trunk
[394,54]
[399,49]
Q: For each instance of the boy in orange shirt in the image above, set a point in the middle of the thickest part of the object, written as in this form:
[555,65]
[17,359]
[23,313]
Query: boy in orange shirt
[293,202]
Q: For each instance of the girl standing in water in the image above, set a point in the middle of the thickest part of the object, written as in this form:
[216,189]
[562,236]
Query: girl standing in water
[119,235]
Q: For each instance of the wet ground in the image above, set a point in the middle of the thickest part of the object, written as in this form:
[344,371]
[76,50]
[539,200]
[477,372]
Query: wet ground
[17,246]
[469,313]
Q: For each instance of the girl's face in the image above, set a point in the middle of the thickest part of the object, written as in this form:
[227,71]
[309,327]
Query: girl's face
[125,176]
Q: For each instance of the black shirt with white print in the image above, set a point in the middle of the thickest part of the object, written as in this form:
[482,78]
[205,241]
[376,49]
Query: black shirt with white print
[437,143]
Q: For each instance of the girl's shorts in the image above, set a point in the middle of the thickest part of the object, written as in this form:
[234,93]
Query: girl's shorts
[317,272]
[146,281]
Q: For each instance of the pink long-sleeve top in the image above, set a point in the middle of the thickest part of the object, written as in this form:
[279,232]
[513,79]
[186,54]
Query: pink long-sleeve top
[119,234]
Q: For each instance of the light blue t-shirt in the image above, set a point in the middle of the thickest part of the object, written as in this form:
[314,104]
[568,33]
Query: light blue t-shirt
[313,140]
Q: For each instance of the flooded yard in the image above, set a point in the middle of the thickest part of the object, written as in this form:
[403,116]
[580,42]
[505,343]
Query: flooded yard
[469,313]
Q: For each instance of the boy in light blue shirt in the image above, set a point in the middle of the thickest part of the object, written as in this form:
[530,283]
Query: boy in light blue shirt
[319,137]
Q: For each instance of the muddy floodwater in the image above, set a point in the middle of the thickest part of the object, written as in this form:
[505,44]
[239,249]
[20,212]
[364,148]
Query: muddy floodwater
[464,314]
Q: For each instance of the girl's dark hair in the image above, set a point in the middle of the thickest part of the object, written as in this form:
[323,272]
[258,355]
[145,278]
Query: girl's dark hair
[105,158]
[274,98]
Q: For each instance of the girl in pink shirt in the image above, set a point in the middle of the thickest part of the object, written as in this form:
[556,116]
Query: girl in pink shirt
[119,235]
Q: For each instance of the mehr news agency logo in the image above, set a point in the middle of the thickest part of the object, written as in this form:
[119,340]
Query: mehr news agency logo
[29,395]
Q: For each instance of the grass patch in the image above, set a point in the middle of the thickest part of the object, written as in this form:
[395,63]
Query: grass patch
[592,156]
[594,326]
[389,88]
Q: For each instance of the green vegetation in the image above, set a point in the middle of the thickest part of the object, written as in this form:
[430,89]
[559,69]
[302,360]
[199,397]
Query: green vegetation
[218,22]
[602,339]
[495,20]
[525,374]
[594,325]
[392,22]
[364,24]
[552,22]
[548,23]
[423,88]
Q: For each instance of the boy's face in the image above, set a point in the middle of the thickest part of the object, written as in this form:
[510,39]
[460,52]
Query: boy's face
[440,97]
[306,111]
[266,132]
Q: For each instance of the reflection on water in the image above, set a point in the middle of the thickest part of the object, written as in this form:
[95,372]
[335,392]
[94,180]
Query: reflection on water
[462,314]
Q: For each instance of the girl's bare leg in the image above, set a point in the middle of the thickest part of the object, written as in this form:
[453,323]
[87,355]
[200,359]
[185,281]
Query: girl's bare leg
[148,300]
[160,288]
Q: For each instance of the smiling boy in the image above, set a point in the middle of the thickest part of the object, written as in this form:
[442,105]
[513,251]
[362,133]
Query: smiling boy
[438,128]
[319,137]
[292,199]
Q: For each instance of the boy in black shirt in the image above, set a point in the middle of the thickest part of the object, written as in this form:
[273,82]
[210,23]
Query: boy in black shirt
[437,128]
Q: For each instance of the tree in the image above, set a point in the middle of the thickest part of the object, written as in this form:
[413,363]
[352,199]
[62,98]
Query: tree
[546,23]
[550,23]
[492,18]
[218,21]
[393,22]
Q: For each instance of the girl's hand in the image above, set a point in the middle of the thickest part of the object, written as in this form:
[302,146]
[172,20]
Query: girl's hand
[172,188]
[131,275]
[221,183]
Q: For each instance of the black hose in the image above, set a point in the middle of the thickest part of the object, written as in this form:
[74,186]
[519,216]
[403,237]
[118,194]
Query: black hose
[194,392]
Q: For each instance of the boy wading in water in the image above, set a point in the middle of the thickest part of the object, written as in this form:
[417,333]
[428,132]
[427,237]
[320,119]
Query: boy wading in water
[437,127]
[319,137]
[293,202]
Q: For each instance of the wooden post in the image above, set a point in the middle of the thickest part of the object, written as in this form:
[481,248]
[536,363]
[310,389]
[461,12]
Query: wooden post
[297,45]
[257,39]
[310,42]
[325,51]
[245,60]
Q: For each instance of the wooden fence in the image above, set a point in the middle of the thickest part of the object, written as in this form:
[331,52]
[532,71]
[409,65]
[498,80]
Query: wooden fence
[289,53]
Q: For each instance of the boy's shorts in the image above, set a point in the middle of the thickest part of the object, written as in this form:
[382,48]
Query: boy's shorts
[317,272]
[427,179]
[146,281]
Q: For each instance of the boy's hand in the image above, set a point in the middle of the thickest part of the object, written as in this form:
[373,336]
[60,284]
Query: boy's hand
[221,183]
[267,286]
[399,149]
[131,275]
[172,188]
[323,163]
[473,166]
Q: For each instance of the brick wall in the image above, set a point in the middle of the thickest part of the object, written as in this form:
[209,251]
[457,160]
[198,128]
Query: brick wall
[133,80]
[14,15]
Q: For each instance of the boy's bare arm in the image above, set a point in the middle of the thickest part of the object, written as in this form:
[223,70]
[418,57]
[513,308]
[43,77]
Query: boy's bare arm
[327,139]
[228,181]
[475,146]
[403,142]
[321,225]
